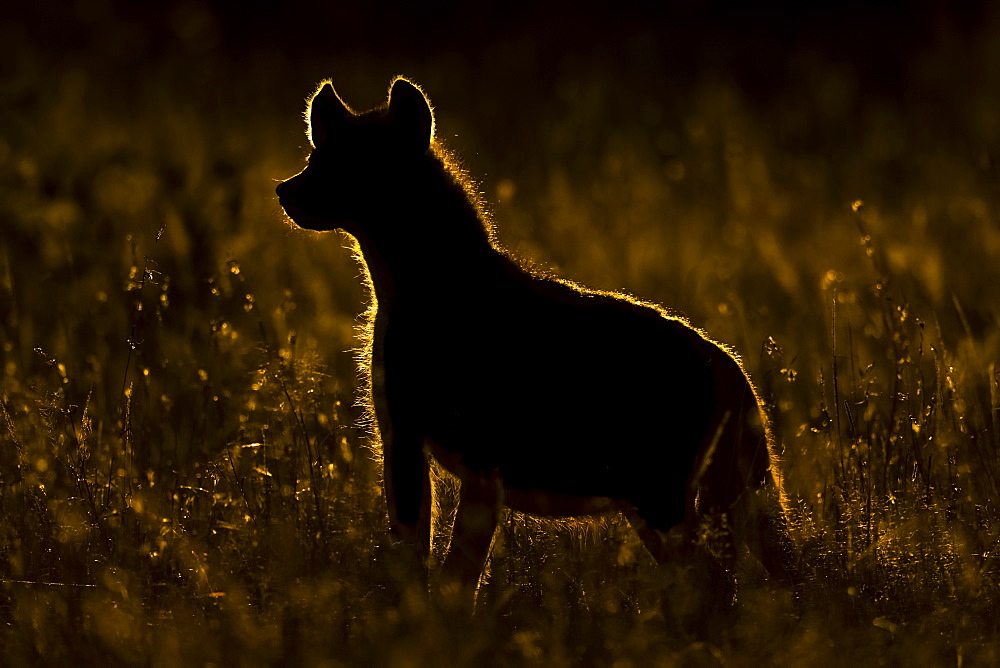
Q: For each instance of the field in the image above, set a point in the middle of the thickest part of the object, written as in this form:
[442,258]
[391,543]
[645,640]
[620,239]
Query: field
[185,475]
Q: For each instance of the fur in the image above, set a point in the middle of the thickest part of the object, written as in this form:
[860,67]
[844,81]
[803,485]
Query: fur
[534,391]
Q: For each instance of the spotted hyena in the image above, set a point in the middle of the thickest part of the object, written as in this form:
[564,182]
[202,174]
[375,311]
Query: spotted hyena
[537,393]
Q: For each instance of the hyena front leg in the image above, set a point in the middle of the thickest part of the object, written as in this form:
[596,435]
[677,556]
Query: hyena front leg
[407,484]
[405,469]
[476,520]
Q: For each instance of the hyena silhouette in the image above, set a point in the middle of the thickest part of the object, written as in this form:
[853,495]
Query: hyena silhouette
[537,393]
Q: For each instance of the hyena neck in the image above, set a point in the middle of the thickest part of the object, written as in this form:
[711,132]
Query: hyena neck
[429,240]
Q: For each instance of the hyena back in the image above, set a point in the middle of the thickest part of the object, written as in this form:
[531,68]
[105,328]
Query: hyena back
[537,393]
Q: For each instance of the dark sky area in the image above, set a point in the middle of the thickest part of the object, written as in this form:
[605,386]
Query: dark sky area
[751,42]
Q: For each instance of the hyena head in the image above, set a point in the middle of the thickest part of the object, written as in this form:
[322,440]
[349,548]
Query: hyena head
[361,164]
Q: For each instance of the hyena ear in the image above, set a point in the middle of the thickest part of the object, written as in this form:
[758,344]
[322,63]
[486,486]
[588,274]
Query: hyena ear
[410,113]
[327,115]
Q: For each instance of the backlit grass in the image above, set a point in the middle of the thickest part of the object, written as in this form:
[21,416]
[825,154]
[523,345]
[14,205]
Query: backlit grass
[184,474]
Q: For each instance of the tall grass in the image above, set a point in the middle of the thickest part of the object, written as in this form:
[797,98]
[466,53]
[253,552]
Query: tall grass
[185,477]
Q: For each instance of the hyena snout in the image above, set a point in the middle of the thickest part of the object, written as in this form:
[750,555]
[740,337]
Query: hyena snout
[298,207]
[286,191]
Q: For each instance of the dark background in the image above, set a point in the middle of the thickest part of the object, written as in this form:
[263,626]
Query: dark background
[757,45]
